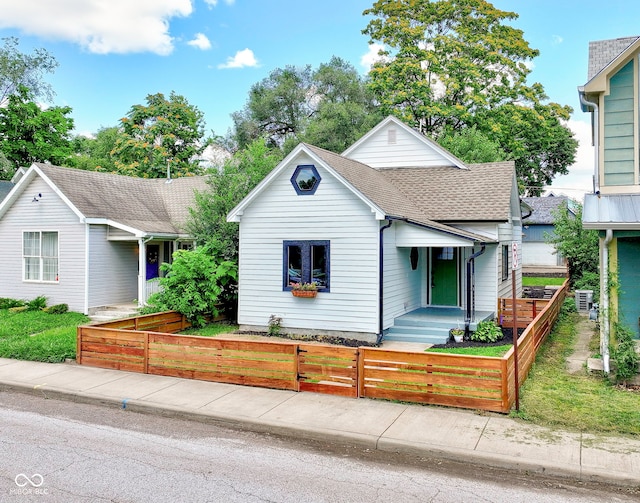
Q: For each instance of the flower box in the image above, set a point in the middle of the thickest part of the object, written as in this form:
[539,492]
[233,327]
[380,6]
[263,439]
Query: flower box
[304,293]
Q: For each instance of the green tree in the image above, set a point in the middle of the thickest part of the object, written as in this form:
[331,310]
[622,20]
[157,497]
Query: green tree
[577,244]
[94,154]
[279,107]
[30,134]
[452,64]
[19,69]
[330,107]
[194,285]
[345,110]
[227,187]
[159,134]
[472,146]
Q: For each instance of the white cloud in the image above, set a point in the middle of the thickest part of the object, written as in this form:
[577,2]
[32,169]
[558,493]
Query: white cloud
[557,39]
[372,56]
[242,59]
[213,3]
[201,42]
[579,180]
[116,26]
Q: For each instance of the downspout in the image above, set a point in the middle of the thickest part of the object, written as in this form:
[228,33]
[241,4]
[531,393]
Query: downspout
[604,343]
[381,284]
[596,137]
[470,261]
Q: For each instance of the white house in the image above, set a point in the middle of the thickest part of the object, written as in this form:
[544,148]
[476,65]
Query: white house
[404,240]
[538,255]
[90,239]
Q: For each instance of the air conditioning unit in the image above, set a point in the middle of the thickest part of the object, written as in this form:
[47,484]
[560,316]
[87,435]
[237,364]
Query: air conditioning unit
[584,300]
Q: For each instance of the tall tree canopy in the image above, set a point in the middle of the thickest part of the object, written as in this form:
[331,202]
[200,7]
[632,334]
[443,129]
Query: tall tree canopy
[17,68]
[227,187]
[163,133]
[94,154]
[453,64]
[330,107]
[30,134]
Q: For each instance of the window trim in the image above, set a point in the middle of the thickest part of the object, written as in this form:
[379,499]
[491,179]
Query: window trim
[505,262]
[305,192]
[306,247]
[41,258]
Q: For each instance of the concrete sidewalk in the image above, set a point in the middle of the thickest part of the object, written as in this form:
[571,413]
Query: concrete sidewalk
[458,435]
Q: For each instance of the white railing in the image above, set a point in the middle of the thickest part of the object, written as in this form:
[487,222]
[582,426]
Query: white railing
[152,286]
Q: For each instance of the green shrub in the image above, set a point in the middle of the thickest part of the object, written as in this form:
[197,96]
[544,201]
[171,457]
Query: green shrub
[624,354]
[57,309]
[568,306]
[487,331]
[6,303]
[193,285]
[37,304]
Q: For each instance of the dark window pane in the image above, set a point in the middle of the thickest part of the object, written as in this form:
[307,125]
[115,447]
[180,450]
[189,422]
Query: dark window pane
[319,264]
[294,264]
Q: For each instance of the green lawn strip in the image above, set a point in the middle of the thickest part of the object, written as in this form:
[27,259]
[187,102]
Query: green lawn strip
[588,403]
[541,281]
[39,336]
[475,351]
[212,329]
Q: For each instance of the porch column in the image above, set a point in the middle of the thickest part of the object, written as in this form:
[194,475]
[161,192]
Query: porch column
[142,271]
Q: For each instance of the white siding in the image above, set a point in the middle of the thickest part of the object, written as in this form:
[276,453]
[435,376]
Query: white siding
[407,151]
[48,214]
[486,278]
[508,234]
[540,254]
[403,287]
[333,214]
[113,269]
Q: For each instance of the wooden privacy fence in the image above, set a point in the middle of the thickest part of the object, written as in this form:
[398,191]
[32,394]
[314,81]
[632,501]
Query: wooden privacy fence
[145,344]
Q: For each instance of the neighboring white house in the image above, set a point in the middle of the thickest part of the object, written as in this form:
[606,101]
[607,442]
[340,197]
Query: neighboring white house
[537,254]
[393,226]
[90,239]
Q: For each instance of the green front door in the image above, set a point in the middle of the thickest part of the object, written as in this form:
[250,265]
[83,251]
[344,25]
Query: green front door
[629,280]
[444,276]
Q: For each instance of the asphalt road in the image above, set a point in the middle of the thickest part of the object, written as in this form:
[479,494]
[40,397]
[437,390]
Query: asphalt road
[58,451]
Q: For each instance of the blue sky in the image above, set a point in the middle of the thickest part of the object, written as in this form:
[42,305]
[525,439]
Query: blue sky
[113,54]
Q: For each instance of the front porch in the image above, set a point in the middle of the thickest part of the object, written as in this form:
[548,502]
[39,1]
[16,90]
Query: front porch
[431,325]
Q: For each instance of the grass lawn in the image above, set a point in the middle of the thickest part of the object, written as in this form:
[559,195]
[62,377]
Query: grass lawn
[475,351]
[39,336]
[536,281]
[552,397]
[213,329]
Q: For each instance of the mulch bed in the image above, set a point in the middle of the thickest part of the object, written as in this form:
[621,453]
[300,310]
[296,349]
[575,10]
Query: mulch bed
[507,338]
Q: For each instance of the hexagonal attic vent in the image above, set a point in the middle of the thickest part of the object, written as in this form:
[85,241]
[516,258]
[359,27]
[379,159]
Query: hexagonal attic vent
[305,179]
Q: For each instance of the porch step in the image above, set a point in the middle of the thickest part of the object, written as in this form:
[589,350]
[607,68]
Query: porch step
[108,313]
[430,325]
[427,335]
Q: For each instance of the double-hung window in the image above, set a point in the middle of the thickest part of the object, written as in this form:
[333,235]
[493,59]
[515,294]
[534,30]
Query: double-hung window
[306,262]
[505,262]
[40,256]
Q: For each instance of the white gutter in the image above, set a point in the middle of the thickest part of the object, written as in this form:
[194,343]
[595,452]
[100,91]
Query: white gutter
[604,287]
[592,106]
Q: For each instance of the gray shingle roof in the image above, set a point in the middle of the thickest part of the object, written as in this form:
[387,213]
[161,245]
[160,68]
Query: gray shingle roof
[544,208]
[149,205]
[431,196]
[603,52]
